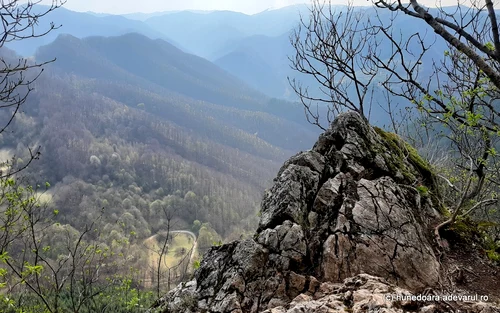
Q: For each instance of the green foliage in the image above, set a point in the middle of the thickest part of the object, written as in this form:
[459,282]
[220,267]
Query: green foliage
[469,230]
[123,297]
[423,190]
[208,236]
[491,247]
[4,257]
[493,255]
[489,45]
[196,264]
[195,228]
[34,257]
[400,151]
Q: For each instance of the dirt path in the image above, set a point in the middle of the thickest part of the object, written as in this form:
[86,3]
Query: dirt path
[187,232]
[190,269]
[194,249]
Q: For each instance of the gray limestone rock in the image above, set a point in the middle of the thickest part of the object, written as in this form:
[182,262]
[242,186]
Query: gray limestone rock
[336,214]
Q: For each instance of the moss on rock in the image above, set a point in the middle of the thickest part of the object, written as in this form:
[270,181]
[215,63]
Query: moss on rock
[404,158]
[405,150]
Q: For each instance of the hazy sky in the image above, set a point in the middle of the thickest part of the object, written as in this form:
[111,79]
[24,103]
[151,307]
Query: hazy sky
[147,6]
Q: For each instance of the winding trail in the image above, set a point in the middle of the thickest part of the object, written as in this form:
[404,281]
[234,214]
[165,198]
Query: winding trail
[194,249]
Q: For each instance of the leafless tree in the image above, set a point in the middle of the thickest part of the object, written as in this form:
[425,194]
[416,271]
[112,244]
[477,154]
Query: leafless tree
[169,215]
[460,93]
[452,95]
[163,246]
[333,47]
[47,260]
[19,21]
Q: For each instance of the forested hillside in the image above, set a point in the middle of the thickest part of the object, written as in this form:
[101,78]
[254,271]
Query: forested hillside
[99,153]
[154,71]
[125,122]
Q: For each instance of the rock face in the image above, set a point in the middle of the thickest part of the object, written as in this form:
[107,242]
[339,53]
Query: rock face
[366,293]
[357,203]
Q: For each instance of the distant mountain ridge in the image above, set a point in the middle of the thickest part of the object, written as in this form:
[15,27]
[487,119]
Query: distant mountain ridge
[144,16]
[157,61]
[195,27]
[214,35]
[81,25]
[254,48]
[155,67]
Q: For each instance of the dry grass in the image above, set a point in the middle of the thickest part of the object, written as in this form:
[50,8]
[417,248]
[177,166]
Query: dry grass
[172,258]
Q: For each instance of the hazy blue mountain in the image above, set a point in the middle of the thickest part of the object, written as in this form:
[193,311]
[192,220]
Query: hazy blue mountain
[144,16]
[206,34]
[200,33]
[149,63]
[240,56]
[98,14]
[249,66]
[278,21]
[132,64]
[81,25]
[254,48]
[263,62]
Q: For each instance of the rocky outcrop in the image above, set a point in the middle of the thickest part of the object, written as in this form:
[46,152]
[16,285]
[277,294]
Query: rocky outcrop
[358,203]
[366,293]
